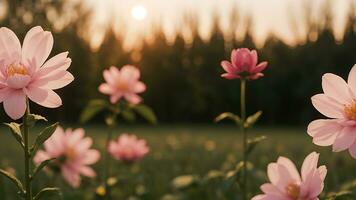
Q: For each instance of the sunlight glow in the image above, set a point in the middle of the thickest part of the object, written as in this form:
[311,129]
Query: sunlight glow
[139,12]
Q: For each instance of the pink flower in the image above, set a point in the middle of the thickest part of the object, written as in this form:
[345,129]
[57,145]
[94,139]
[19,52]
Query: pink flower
[122,83]
[286,183]
[339,103]
[243,64]
[128,148]
[72,152]
[24,72]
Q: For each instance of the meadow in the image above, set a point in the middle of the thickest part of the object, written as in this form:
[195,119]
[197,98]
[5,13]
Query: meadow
[201,155]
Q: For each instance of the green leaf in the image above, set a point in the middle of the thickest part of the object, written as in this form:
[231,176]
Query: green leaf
[16,132]
[228,115]
[33,118]
[94,107]
[40,167]
[339,195]
[47,192]
[185,181]
[252,143]
[128,115]
[42,137]
[14,180]
[145,112]
[251,120]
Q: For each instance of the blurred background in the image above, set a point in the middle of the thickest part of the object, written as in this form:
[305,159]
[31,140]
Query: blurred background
[178,45]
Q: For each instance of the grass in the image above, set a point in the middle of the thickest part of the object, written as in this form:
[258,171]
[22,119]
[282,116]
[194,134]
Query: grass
[187,150]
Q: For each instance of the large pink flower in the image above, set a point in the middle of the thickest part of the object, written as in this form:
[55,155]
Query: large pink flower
[243,65]
[72,152]
[128,148]
[286,183]
[24,72]
[339,103]
[122,83]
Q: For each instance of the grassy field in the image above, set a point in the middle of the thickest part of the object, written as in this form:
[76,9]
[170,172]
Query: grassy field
[188,150]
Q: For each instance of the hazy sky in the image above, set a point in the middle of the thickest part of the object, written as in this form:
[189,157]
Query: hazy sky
[269,16]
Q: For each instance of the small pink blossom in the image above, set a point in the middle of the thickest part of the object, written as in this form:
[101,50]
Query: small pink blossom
[287,184]
[24,71]
[122,83]
[128,148]
[72,152]
[338,102]
[243,65]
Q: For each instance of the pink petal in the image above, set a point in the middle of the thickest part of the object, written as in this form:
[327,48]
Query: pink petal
[60,82]
[109,78]
[242,59]
[345,139]
[106,88]
[324,131]
[37,45]
[139,87]
[226,65]
[133,98]
[15,104]
[289,165]
[71,176]
[259,68]
[352,150]
[352,80]
[87,171]
[130,72]
[43,97]
[55,144]
[336,88]
[268,197]
[328,106]
[91,157]
[57,63]
[115,97]
[272,173]
[230,76]
[310,163]
[268,188]
[255,76]
[253,57]
[53,81]
[10,47]
[4,92]
[322,172]
[40,157]
[75,136]
[18,81]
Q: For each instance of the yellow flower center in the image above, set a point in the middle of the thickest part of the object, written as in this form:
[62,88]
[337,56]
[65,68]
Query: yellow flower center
[14,69]
[293,191]
[350,111]
[122,86]
[71,154]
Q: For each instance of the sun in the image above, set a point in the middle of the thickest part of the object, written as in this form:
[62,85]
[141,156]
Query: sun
[139,12]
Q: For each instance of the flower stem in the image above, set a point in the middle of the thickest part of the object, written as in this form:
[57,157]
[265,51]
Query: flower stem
[28,187]
[107,162]
[244,134]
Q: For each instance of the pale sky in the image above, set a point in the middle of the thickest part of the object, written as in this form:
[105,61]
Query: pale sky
[269,17]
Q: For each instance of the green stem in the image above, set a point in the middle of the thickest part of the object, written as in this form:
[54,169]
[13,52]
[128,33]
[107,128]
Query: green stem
[107,162]
[244,134]
[28,195]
